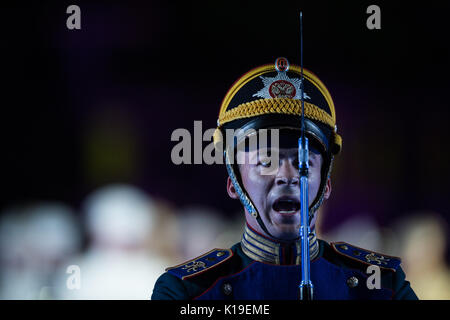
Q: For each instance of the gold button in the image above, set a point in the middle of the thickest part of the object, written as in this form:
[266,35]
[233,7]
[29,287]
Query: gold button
[352,282]
[344,247]
[227,289]
[220,253]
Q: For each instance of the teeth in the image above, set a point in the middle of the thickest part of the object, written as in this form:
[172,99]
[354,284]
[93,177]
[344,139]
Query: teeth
[292,211]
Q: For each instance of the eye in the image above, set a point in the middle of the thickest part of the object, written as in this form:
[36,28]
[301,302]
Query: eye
[265,162]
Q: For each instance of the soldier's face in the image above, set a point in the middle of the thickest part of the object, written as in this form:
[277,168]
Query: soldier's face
[277,195]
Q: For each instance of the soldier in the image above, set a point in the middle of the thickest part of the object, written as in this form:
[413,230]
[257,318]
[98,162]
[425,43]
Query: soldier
[265,264]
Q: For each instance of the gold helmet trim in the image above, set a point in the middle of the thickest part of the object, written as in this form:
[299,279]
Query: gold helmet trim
[259,105]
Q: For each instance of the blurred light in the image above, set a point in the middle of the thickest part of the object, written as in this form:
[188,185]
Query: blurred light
[119,214]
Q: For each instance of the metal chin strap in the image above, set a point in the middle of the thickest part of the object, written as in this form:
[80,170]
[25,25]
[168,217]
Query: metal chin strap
[243,197]
[313,210]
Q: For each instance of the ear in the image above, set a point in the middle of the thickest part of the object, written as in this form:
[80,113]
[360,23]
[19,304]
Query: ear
[231,190]
[327,189]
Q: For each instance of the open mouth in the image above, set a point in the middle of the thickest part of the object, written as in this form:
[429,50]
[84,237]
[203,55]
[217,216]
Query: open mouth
[286,205]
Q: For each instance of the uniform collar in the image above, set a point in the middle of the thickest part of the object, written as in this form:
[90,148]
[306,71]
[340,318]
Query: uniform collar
[261,248]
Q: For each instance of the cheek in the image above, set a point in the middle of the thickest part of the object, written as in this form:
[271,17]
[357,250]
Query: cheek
[256,184]
[313,183]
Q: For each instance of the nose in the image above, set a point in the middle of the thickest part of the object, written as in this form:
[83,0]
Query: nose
[287,174]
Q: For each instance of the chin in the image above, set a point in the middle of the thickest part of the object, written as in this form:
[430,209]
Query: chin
[286,233]
[285,227]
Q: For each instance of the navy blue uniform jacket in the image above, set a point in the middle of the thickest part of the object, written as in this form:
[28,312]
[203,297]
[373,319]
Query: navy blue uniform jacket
[339,271]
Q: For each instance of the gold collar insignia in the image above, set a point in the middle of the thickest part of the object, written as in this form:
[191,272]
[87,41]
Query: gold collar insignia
[262,249]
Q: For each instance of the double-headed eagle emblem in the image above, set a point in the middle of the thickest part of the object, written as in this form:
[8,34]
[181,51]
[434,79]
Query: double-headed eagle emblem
[281,86]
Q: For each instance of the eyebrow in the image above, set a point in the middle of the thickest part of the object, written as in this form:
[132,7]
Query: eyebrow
[285,152]
[313,155]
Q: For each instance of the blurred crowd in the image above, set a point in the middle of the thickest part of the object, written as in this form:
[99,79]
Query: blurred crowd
[123,239]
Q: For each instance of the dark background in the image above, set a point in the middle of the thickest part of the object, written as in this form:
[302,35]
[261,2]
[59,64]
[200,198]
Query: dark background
[85,108]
